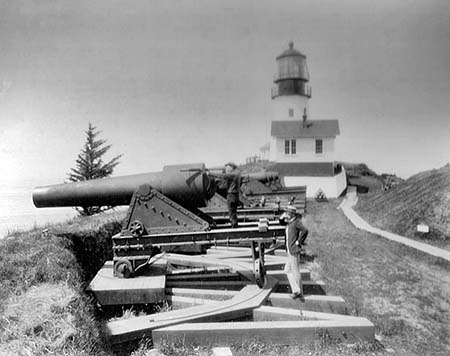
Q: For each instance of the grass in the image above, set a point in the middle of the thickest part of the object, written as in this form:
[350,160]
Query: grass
[43,307]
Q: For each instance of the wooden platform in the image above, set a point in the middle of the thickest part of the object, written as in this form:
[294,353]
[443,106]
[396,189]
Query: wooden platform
[205,292]
[110,290]
[240,305]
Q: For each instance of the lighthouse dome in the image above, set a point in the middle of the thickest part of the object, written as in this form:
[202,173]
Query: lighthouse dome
[291,52]
[292,65]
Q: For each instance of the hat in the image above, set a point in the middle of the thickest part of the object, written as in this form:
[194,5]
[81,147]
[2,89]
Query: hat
[231,164]
[290,209]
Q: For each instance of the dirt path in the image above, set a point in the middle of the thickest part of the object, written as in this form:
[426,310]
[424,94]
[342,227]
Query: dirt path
[404,292]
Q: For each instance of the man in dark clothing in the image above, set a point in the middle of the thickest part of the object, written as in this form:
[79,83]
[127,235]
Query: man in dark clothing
[296,234]
[232,178]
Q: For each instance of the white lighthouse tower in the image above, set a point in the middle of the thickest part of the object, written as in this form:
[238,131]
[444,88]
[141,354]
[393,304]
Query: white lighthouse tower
[291,91]
[302,149]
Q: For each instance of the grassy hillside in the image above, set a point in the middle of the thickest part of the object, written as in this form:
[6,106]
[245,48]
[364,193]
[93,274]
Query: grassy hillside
[43,307]
[422,199]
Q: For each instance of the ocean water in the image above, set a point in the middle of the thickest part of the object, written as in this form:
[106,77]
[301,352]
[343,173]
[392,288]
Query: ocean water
[17,211]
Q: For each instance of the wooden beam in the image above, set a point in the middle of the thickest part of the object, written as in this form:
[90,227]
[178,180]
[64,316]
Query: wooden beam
[110,290]
[309,287]
[177,302]
[225,285]
[240,305]
[201,293]
[280,333]
[267,313]
[319,303]
[221,276]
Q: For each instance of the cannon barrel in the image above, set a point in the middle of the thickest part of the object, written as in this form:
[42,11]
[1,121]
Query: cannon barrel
[263,177]
[187,184]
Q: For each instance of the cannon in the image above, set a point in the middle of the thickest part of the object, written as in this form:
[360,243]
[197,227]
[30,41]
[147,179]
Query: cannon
[263,177]
[164,212]
[177,182]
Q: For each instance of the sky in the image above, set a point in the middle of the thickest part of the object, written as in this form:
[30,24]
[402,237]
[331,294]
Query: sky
[170,82]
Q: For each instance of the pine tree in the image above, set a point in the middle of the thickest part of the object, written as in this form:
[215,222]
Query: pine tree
[89,165]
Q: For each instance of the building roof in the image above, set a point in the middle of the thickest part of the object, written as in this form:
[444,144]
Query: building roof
[312,129]
[305,169]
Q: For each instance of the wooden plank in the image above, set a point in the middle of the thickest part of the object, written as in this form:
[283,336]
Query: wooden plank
[178,302]
[226,285]
[267,313]
[319,303]
[224,276]
[110,290]
[211,294]
[293,333]
[228,254]
[309,287]
[240,305]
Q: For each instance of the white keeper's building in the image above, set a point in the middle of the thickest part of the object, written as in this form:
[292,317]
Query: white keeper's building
[302,149]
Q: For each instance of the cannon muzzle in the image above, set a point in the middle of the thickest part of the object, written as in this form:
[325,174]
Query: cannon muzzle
[188,185]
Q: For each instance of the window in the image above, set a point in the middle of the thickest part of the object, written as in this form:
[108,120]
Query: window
[291,112]
[290,147]
[319,146]
[293,147]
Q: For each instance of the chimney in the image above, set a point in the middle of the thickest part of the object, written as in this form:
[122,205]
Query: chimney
[304,117]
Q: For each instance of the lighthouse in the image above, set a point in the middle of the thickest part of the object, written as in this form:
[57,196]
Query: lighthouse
[302,149]
[291,90]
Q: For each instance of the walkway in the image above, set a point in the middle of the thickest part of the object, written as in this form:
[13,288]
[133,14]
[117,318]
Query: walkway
[347,207]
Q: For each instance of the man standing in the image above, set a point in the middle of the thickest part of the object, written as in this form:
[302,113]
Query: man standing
[232,178]
[296,234]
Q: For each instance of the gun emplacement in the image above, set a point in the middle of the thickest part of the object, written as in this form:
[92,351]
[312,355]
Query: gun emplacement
[163,213]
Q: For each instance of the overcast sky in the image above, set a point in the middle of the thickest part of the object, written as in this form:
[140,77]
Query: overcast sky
[189,81]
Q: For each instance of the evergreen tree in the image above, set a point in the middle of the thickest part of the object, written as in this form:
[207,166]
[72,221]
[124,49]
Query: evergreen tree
[90,165]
